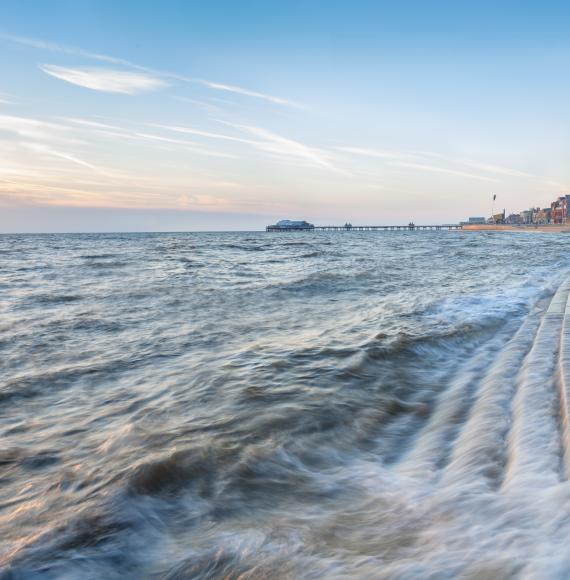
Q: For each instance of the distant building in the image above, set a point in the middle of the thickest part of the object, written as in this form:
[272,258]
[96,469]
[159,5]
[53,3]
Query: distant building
[473,221]
[559,210]
[541,216]
[498,218]
[294,224]
[514,219]
[548,214]
[557,213]
[289,225]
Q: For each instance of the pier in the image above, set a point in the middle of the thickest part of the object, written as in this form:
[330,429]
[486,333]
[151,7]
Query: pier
[350,227]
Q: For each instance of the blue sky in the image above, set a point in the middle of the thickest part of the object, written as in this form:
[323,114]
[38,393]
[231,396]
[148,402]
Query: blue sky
[230,115]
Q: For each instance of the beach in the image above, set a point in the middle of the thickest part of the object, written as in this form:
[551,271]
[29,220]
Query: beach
[545,228]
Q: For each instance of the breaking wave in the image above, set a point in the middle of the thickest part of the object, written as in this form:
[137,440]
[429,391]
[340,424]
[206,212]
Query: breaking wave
[370,405]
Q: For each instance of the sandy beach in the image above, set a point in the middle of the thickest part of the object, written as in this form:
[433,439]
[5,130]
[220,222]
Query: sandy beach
[550,228]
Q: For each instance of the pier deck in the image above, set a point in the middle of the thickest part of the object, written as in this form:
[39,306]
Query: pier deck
[410,227]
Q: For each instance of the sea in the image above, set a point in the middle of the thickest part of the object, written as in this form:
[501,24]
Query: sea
[284,405]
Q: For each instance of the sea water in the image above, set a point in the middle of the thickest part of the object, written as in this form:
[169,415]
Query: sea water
[294,405]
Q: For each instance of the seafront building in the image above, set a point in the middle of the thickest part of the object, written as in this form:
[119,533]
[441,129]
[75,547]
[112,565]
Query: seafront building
[290,225]
[542,216]
[498,218]
[474,221]
[557,213]
[559,210]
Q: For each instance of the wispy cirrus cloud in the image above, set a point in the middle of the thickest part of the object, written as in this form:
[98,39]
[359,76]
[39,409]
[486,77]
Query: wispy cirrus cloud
[557,184]
[90,123]
[35,129]
[124,133]
[5,100]
[249,93]
[201,133]
[47,150]
[208,107]
[105,80]
[190,145]
[61,49]
[432,162]
[43,138]
[258,138]
[508,171]
[53,161]
[377,153]
[446,170]
[271,142]
[479,165]
[268,142]
[149,72]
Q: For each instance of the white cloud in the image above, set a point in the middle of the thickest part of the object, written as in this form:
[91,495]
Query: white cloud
[47,150]
[53,47]
[35,129]
[91,124]
[200,133]
[152,74]
[268,142]
[190,145]
[437,169]
[106,80]
[556,184]
[249,93]
[46,139]
[485,167]
[422,160]
[105,129]
[282,146]
[498,169]
[208,107]
[378,153]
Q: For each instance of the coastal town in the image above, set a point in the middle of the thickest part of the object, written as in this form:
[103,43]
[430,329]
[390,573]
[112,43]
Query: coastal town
[558,213]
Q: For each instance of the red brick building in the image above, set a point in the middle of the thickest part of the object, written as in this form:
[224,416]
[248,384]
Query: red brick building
[560,209]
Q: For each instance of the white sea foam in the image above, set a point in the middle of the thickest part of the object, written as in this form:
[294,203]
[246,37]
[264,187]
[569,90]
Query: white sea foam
[250,406]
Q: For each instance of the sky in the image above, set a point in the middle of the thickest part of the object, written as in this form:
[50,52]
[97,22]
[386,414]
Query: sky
[230,115]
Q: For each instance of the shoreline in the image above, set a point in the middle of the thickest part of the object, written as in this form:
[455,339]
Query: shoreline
[549,228]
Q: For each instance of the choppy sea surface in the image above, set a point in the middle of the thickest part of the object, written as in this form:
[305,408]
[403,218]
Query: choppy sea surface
[303,405]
